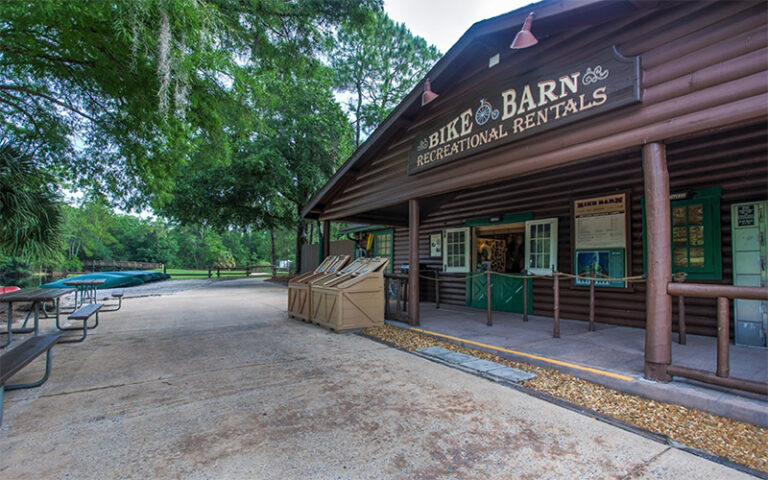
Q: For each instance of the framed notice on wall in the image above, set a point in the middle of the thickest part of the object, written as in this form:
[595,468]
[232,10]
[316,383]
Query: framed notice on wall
[600,236]
[435,245]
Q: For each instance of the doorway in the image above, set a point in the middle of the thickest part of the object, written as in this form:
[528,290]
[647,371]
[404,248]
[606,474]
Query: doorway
[500,250]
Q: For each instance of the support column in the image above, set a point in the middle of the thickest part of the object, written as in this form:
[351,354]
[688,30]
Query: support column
[326,240]
[413,262]
[658,324]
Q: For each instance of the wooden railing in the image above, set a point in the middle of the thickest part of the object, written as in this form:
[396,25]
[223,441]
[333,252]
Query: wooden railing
[100,265]
[724,294]
[232,271]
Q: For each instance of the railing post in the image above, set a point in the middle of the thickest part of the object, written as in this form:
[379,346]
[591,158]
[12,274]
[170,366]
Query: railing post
[210,274]
[398,290]
[723,337]
[405,295]
[680,277]
[525,296]
[489,322]
[681,320]
[437,289]
[556,304]
[592,299]
[386,296]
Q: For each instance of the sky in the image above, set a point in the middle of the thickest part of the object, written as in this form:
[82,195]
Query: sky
[443,22]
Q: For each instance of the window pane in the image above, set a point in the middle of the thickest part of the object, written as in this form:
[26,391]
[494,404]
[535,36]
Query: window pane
[696,236]
[678,216]
[680,257]
[695,214]
[697,257]
[680,236]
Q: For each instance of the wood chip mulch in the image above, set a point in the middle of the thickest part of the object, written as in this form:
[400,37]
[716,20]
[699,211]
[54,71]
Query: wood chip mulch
[736,441]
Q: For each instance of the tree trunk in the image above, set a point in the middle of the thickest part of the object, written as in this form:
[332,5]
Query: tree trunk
[299,243]
[272,239]
[358,114]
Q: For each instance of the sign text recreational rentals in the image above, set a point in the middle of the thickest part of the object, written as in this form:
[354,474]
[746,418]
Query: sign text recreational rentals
[599,84]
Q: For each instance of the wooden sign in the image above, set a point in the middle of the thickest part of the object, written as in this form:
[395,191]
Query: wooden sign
[522,107]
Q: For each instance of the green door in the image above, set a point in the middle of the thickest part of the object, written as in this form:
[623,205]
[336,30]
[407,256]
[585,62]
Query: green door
[506,293]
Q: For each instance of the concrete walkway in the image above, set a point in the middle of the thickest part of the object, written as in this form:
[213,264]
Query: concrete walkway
[219,383]
[613,349]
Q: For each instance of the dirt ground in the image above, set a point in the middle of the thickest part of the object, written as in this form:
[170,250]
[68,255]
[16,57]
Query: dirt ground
[217,382]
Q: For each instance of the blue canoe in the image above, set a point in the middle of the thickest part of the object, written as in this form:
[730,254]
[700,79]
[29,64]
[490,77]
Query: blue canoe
[128,278]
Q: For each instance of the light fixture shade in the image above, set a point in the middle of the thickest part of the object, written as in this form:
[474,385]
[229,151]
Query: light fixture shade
[428,94]
[524,37]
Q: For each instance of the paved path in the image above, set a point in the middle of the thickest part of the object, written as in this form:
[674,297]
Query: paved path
[218,383]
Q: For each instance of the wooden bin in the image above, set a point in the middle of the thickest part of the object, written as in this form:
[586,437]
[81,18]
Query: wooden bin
[299,292]
[351,301]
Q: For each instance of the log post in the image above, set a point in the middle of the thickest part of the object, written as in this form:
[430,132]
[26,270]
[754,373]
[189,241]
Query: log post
[658,328]
[326,240]
[413,261]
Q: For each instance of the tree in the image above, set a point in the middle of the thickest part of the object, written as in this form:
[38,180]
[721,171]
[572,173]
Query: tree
[111,94]
[378,63]
[30,215]
[118,95]
[312,137]
[273,173]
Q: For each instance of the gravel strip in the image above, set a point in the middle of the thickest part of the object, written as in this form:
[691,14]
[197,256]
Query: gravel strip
[735,441]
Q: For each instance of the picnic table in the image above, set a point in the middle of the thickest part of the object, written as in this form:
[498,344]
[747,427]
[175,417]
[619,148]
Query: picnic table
[86,289]
[38,297]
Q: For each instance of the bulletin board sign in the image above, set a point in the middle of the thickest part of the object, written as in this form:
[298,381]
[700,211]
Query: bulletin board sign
[600,238]
[600,222]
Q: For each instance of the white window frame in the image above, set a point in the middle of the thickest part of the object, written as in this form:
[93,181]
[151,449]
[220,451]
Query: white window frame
[468,246]
[552,246]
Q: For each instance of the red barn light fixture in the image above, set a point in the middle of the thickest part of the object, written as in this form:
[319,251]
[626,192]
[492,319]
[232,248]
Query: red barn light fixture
[524,37]
[428,94]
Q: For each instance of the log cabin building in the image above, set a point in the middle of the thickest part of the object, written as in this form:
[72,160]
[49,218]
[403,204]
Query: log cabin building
[629,141]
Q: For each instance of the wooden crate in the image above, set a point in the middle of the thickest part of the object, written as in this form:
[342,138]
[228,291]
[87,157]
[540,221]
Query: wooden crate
[299,292]
[351,301]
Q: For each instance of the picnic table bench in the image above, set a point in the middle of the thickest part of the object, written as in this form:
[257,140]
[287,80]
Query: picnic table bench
[83,314]
[13,361]
[118,294]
